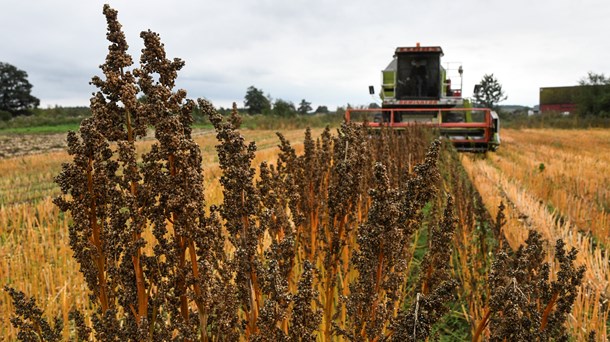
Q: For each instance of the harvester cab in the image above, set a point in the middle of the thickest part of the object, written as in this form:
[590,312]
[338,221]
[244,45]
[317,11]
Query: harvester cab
[417,90]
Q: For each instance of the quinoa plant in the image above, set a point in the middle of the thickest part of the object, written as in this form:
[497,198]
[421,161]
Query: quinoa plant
[29,321]
[311,173]
[525,304]
[238,211]
[147,251]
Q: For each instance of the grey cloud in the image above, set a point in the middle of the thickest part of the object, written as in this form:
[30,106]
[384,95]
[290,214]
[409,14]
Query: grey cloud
[326,52]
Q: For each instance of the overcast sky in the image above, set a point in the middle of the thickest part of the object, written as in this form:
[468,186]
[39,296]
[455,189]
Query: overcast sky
[326,52]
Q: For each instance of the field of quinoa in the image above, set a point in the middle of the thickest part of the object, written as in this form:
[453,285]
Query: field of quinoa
[138,228]
[540,178]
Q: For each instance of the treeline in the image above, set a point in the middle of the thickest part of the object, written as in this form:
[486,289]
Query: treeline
[49,117]
[62,119]
[256,102]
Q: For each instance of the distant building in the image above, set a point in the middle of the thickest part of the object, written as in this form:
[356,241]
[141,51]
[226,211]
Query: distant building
[559,99]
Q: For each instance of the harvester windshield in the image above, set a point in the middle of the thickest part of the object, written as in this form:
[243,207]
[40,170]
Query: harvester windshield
[418,76]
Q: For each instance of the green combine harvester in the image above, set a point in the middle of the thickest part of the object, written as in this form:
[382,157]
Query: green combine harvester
[417,90]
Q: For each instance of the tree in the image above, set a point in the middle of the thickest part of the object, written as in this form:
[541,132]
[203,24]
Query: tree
[15,89]
[593,97]
[283,108]
[304,107]
[341,111]
[489,92]
[256,102]
[322,110]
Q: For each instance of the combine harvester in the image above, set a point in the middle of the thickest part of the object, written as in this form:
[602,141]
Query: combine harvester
[417,90]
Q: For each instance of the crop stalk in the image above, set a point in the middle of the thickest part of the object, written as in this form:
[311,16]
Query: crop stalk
[329,289]
[547,310]
[378,279]
[181,284]
[96,234]
[481,326]
[141,286]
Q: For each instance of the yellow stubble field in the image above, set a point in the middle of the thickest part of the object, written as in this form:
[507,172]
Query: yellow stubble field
[558,183]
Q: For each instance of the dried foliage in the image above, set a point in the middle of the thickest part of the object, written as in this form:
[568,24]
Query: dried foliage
[526,305]
[29,321]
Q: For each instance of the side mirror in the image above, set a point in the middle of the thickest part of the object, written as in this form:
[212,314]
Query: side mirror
[371,90]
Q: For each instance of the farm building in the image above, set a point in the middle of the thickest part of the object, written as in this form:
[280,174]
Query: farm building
[559,99]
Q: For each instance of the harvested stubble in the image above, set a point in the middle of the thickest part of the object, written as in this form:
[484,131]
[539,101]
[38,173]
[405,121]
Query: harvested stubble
[567,169]
[525,211]
[29,179]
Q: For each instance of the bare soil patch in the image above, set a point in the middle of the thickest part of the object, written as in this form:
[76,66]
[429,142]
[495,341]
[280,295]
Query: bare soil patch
[15,145]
